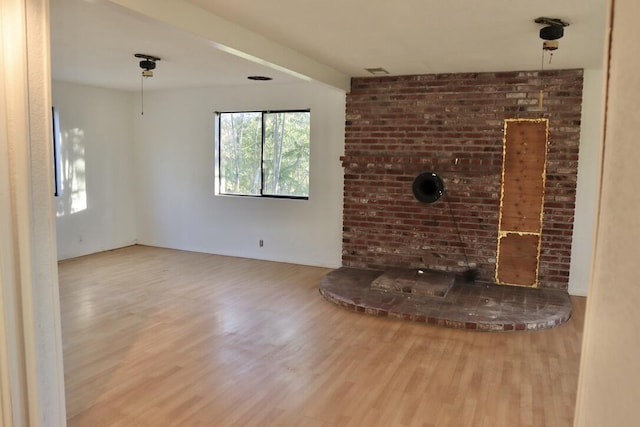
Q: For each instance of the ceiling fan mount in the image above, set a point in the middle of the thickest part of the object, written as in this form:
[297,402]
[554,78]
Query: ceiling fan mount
[148,63]
[553,28]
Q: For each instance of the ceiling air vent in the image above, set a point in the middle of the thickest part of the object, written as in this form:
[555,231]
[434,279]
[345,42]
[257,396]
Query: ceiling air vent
[379,71]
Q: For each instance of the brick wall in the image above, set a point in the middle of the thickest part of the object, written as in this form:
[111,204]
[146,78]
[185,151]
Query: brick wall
[452,124]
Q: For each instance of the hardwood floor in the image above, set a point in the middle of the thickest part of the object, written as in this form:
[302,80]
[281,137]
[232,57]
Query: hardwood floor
[156,337]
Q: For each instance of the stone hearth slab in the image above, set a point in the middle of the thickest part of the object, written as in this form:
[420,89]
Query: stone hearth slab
[475,306]
[415,281]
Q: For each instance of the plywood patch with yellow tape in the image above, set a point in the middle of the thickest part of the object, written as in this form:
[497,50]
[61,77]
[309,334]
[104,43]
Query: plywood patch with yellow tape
[521,201]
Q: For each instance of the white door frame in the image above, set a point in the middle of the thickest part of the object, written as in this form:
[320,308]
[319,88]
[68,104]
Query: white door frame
[31,369]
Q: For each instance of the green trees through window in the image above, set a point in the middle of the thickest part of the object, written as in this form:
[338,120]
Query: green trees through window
[264,153]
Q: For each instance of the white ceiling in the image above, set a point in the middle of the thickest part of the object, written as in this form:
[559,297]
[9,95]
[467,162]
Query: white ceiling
[93,41]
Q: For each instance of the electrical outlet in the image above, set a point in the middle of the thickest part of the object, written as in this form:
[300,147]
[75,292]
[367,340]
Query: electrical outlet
[261,243]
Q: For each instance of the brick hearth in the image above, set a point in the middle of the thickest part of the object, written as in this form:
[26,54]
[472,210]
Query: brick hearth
[474,306]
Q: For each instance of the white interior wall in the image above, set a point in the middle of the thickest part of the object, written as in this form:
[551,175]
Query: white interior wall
[163,195]
[177,207]
[588,181]
[96,211]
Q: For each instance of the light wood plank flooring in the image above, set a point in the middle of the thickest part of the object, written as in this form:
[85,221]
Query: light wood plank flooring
[157,337]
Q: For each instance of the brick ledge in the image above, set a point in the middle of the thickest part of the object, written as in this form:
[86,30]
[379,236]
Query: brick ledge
[473,306]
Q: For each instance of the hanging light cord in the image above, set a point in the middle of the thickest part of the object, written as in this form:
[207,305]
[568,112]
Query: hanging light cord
[455,223]
[541,94]
[141,95]
[470,274]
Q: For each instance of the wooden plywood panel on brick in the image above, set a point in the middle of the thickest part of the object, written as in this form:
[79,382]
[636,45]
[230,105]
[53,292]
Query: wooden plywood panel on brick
[523,185]
[523,175]
[518,259]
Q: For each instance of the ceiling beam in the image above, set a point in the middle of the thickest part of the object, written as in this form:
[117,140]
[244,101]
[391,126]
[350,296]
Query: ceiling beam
[239,41]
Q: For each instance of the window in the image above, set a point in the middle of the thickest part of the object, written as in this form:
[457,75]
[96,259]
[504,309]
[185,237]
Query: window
[57,160]
[263,153]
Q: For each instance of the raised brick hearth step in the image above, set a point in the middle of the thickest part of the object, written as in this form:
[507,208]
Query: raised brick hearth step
[474,306]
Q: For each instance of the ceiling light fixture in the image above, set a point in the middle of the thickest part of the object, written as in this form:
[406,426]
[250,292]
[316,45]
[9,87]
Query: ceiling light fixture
[148,64]
[552,31]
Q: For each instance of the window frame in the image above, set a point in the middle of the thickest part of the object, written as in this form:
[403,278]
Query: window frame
[218,158]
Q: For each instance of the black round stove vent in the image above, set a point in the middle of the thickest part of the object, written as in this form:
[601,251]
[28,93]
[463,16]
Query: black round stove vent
[428,187]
